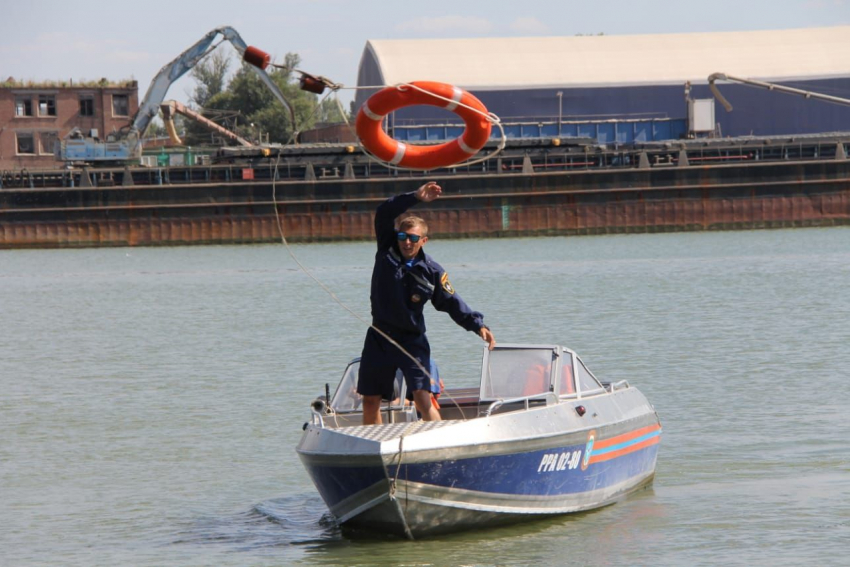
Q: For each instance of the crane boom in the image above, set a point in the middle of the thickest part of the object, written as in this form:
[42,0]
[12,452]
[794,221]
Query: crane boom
[769,86]
[126,144]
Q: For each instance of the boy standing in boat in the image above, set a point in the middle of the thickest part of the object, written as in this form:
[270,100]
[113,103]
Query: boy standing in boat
[403,280]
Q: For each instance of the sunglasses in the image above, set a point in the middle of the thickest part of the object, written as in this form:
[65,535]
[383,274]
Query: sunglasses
[402,236]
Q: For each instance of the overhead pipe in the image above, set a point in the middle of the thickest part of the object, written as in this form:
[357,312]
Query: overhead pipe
[769,86]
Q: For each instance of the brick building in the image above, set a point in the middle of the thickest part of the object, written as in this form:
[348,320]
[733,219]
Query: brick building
[34,115]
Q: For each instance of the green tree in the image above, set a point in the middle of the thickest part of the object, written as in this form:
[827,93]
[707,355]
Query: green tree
[265,116]
[262,117]
[330,112]
[210,75]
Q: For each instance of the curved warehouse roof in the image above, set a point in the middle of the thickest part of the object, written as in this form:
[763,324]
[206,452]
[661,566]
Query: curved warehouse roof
[609,60]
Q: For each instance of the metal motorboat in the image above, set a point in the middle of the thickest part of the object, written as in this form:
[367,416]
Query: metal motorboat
[540,436]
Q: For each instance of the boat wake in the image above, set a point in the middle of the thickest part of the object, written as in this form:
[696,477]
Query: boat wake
[299,520]
[304,519]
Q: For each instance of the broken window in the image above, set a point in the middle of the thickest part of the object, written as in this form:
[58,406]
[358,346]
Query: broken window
[46,105]
[23,106]
[48,141]
[86,105]
[26,143]
[120,105]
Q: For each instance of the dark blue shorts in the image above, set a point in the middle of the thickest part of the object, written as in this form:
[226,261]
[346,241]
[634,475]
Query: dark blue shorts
[381,359]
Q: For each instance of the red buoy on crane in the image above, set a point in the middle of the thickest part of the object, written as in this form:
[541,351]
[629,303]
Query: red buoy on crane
[256,57]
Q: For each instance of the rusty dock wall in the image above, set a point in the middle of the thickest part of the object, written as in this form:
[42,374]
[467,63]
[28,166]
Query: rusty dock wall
[631,200]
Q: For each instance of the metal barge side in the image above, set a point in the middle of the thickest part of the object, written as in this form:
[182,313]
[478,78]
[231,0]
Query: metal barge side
[521,193]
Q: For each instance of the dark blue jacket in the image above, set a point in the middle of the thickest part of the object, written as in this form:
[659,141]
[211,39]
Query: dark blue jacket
[399,293]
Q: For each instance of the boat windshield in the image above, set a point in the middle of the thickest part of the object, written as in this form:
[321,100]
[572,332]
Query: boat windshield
[517,372]
[587,381]
[346,398]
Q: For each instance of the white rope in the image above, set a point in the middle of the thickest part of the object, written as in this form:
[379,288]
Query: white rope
[398,456]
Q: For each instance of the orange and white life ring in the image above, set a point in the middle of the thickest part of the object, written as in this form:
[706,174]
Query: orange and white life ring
[374,139]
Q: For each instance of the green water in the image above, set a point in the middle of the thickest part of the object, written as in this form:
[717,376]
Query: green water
[151,399]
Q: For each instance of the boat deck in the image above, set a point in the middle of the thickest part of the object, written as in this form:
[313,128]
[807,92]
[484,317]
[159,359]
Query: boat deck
[391,430]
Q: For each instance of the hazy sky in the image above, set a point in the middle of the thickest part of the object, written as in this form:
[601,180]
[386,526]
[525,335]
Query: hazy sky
[85,40]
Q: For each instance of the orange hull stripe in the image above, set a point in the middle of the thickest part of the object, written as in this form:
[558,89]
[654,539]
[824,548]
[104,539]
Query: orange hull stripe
[603,443]
[624,451]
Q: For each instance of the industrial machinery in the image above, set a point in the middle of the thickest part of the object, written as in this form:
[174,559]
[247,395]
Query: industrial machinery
[171,108]
[769,86]
[126,144]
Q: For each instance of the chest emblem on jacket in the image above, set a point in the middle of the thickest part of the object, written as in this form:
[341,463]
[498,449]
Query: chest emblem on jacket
[415,298]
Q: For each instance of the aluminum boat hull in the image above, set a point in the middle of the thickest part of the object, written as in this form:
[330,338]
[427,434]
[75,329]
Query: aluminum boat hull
[424,478]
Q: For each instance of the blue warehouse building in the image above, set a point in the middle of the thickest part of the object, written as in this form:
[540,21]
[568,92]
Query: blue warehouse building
[623,89]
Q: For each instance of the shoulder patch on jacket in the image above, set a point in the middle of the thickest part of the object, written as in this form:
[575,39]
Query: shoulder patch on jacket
[447,285]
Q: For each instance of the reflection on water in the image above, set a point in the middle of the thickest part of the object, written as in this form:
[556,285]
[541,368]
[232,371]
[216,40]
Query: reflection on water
[152,398]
